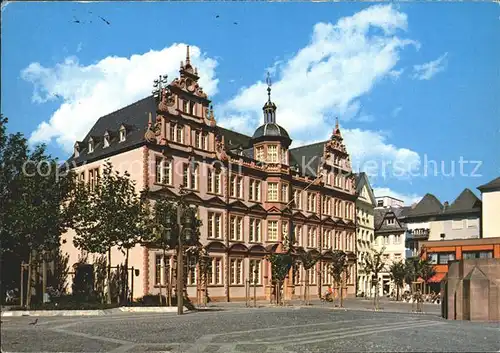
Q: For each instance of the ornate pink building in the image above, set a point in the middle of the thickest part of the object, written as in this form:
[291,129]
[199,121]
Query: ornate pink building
[251,190]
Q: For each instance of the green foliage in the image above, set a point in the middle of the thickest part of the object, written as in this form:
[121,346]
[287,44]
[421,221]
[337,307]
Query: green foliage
[280,264]
[418,268]
[398,272]
[109,215]
[338,265]
[57,277]
[308,260]
[374,263]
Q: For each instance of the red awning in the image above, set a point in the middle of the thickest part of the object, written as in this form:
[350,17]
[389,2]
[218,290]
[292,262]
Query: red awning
[438,277]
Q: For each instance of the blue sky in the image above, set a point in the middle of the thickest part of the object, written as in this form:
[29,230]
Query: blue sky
[410,82]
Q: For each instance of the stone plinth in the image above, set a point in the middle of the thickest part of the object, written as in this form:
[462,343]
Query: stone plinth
[471,290]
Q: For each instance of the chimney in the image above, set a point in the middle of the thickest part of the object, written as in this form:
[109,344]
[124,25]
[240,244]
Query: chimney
[446,204]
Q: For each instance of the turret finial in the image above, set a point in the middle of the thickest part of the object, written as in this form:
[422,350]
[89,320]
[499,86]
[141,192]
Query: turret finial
[188,61]
[269,83]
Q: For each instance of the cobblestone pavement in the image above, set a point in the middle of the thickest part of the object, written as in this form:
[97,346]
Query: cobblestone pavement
[239,329]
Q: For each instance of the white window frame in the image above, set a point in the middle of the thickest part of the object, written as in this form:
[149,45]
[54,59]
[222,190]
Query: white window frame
[236,232]
[272,230]
[272,153]
[255,234]
[236,267]
[272,191]
[213,218]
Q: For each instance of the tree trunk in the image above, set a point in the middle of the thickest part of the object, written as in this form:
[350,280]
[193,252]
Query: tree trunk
[397,293]
[375,296]
[29,287]
[125,284]
[341,293]
[108,300]
[44,277]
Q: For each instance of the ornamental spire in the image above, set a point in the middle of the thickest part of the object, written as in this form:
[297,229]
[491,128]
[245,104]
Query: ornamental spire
[269,108]
[188,61]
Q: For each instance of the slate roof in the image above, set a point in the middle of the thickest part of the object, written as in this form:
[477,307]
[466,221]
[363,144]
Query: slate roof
[490,186]
[307,158]
[362,180]
[428,205]
[270,129]
[134,116]
[380,214]
[466,201]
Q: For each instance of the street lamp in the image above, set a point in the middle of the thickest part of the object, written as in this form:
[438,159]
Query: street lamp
[177,235]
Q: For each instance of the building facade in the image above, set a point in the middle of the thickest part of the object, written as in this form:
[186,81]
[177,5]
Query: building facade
[252,192]
[365,231]
[390,231]
[431,220]
[490,222]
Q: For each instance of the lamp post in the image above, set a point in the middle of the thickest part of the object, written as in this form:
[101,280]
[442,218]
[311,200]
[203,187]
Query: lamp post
[177,235]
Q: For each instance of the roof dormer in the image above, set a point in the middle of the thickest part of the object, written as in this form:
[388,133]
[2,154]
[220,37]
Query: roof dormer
[77,148]
[122,132]
[91,144]
[107,139]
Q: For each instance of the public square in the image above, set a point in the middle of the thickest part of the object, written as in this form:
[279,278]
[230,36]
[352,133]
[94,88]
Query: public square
[234,328]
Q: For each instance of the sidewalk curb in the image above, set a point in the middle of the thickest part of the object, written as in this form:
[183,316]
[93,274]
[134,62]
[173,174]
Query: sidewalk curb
[122,309]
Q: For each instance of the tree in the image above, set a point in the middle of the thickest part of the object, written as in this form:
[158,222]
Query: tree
[106,216]
[374,264]
[338,269]
[416,268]
[398,272]
[280,265]
[308,260]
[32,188]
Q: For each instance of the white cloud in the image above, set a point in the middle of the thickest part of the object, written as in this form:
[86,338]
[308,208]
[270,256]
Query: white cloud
[395,74]
[408,199]
[395,112]
[428,70]
[89,92]
[341,63]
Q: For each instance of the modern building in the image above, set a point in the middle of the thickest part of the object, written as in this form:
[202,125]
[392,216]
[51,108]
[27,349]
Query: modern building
[441,252]
[244,187]
[490,222]
[430,220]
[365,231]
[390,235]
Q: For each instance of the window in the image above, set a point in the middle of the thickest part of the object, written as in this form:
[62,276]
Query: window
[272,191]
[236,228]
[259,153]
[272,154]
[327,239]
[326,274]
[468,255]
[311,275]
[214,181]
[297,198]
[158,270]
[91,146]
[311,202]
[338,240]
[284,229]
[163,171]
[215,276]
[190,176]
[176,132]
[185,106]
[272,230]
[123,134]
[192,108]
[390,220]
[106,140]
[444,258]
[254,235]
[236,271]
[386,240]
[236,189]
[298,235]
[93,178]
[433,258]
[214,225]
[457,224]
[311,237]
[191,272]
[284,155]
[397,239]
[472,222]
[82,176]
[397,257]
[254,271]
[254,193]
[380,203]
[284,192]
[200,140]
